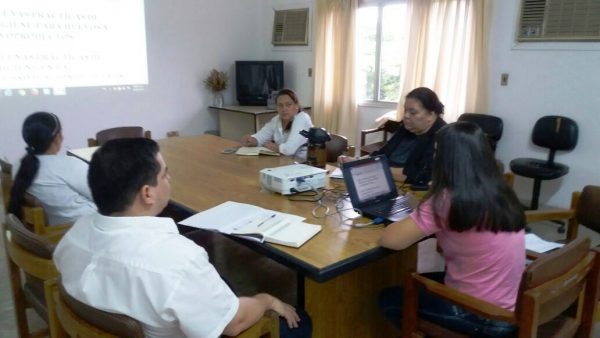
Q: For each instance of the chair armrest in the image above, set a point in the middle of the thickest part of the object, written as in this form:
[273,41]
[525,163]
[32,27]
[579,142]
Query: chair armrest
[465,301]
[548,215]
[269,323]
[372,130]
[533,255]
[364,132]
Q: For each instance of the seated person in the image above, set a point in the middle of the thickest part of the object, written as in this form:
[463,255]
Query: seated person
[479,224]
[410,150]
[58,181]
[126,260]
[282,133]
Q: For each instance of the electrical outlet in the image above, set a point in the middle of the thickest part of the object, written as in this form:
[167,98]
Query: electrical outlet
[504,79]
[309,72]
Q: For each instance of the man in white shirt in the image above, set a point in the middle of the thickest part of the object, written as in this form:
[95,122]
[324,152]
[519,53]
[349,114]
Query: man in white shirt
[126,260]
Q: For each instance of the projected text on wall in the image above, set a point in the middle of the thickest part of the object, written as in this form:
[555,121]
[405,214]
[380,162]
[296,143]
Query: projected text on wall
[49,47]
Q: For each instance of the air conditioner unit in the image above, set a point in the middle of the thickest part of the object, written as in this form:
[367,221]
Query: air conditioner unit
[290,27]
[559,20]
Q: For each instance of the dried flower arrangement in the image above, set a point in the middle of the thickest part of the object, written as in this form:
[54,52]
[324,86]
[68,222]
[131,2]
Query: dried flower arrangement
[216,81]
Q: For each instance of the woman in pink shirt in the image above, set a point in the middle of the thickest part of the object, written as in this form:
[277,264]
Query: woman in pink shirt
[479,224]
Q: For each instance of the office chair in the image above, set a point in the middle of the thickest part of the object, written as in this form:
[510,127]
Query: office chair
[28,254]
[491,125]
[557,297]
[584,210]
[555,133]
[389,127]
[106,135]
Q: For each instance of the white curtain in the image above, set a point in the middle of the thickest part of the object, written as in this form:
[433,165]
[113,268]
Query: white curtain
[447,53]
[335,98]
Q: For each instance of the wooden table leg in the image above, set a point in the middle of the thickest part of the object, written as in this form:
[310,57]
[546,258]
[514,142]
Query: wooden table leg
[346,306]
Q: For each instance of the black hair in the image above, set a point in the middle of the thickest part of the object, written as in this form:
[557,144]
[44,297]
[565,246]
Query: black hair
[464,168]
[428,99]
[119,169]
[292,94]
[39,131]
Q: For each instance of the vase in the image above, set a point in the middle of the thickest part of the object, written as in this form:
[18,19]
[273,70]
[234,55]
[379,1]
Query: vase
[218,100]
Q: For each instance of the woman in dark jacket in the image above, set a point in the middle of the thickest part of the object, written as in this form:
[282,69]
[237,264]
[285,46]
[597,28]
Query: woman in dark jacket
[410,150]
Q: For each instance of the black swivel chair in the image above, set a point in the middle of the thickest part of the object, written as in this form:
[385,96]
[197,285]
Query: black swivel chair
[491,125]
[555,133]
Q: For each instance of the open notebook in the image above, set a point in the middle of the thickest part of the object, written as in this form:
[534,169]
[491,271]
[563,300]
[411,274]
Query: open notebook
[255,151]
[254,223]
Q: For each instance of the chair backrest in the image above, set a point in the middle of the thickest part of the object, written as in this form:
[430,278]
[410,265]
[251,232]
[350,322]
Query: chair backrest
[391,126]
[30,254]
[587,211]
[554,282]
[336,147]
[33,215]
[78,319]
[555,133]
[25,246]
[6,180]
[69,316]
[491,125]
[106,135]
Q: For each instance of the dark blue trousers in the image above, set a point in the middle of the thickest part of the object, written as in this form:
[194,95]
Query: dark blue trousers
[441,312]
[304,329]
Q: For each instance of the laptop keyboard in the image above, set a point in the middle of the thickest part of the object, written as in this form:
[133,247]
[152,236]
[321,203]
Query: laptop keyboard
[390,207]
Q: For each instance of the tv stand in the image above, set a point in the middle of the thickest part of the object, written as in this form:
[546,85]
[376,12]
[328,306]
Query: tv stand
[237,121]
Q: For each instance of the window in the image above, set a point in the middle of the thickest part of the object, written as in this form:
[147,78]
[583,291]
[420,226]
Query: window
[381,43]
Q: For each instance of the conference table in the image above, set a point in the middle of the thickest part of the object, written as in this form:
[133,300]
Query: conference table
[340,271]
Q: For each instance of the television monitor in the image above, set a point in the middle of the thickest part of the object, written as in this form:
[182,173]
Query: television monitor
[255,80]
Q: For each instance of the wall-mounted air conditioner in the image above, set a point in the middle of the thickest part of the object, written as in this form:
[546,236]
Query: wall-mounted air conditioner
[559,20]
[290,27]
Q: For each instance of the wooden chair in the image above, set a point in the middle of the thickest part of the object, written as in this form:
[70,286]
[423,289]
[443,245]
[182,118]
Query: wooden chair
[119,132]
[6,181]
[31,254]
[585,210]
[338,145]
[557,297]
[70,317]
[34,217]
[389,127]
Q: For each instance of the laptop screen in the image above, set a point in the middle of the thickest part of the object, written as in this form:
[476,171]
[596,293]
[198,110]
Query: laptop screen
[369,180]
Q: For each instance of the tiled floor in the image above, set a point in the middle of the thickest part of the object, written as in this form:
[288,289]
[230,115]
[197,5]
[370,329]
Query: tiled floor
[283,286]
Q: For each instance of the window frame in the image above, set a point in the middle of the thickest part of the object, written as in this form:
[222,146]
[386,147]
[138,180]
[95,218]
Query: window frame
[376,102]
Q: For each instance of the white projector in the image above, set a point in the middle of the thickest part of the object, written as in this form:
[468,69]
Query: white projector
[293,178]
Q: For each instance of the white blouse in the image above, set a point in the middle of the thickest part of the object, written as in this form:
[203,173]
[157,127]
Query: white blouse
[61,187]
[289,141]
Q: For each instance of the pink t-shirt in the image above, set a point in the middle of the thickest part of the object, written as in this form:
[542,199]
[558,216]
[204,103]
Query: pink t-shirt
[483,264]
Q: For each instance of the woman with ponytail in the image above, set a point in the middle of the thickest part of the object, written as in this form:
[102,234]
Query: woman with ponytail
[59,182]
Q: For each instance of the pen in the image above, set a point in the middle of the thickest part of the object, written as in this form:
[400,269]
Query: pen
[263,222]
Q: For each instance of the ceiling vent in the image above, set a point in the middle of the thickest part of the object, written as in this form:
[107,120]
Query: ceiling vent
[559,20]
[290,27]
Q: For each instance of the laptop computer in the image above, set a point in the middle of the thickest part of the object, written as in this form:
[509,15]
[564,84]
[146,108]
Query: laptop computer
[372,189]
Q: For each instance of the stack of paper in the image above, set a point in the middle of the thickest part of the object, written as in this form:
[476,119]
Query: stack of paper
[534,243]
[255,151]
[255,223]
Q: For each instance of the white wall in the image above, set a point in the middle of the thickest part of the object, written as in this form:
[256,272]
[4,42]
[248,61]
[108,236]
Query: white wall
[556,79]
[185,39]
